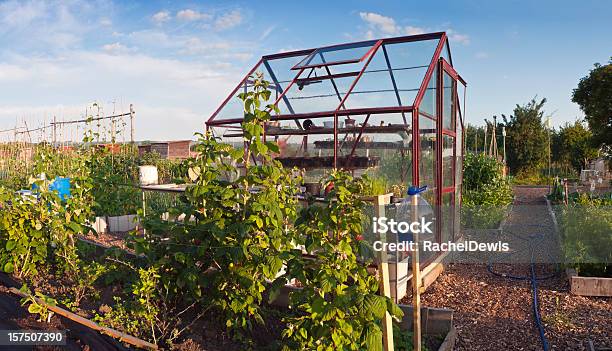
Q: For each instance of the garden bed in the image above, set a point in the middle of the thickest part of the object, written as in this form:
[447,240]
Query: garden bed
[582,284]
[14,317]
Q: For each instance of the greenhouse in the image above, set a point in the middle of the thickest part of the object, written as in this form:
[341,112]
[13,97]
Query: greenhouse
[389,108]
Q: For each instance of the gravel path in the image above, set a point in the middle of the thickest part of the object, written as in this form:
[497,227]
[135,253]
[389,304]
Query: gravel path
[495,313]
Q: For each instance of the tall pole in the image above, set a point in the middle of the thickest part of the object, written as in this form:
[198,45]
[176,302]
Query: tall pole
[416,283]
[131,123]
[504,142]
[54,131]
[549,152]
[484,149]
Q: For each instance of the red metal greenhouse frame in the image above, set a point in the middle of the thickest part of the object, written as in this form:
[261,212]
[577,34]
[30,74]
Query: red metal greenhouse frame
[437,63]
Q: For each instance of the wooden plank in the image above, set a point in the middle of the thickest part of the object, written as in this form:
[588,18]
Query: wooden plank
[589,286]
[416,281]
[383,268]
[86,322]
[449,341]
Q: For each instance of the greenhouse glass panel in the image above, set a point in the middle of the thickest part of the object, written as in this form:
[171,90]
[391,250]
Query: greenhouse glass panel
[427,155]
[448,102]
[338,54]
[448,173]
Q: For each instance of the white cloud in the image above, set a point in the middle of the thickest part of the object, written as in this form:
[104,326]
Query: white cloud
[194,46]
[228,20]
[457,37]
[161,17]
[10,72]
[20,13]
[49,25]
[116,48]
[383,26]
[481,55]
[166,93]
[409,30]
[192,15]
[52,50]
[380,25]
[106,22]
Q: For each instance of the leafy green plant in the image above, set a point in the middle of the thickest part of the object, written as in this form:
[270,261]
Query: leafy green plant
[586,224]
[37,231]
[338,304]
[374,185]
[245,221]
[402,340]
[83,281]
[34,307]
[239,228]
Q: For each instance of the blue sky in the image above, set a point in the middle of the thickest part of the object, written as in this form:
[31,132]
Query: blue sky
[176,61]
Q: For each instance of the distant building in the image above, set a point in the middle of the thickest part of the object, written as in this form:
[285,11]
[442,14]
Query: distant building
[172,150]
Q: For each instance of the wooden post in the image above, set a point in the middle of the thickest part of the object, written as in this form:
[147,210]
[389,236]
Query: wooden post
[54,131]
[416,280]
[383,272]
[131,123]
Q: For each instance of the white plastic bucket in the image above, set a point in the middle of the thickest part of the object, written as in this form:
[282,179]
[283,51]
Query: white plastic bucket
[148,175]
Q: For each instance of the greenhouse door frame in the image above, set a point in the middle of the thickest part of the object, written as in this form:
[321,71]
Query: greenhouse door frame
[444,68]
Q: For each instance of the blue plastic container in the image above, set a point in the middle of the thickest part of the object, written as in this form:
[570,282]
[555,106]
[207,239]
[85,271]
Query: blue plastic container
[62,186]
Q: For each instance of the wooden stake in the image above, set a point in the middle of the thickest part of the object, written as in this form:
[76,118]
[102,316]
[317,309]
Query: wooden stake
[131,124]
[54,131]
[383,269]
[416,281]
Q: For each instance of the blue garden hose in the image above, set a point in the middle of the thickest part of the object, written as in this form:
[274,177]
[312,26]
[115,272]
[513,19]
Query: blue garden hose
[536,310]
[533,278]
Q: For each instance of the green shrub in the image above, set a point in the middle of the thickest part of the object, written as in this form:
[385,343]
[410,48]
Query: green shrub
[486,192]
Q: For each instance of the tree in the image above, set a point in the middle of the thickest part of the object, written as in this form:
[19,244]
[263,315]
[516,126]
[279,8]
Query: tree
[576,145]
[594,95]
[527,141]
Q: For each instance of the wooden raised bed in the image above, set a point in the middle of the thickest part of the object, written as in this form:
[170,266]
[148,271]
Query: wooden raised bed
[589,286]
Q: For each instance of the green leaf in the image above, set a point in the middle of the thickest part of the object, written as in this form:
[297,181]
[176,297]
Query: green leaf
[8,267]
[10,245]
[376,304]
[34,308]
[373,338]
[75,227]
[394,309]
